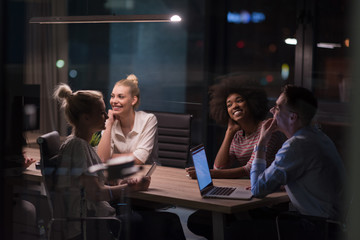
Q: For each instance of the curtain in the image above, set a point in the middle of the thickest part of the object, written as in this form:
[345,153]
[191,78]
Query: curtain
[45,45]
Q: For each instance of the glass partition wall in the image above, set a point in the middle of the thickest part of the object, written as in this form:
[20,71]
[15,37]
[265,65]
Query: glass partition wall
[303,42]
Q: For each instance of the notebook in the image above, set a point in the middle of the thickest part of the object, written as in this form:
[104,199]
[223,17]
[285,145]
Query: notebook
[206,186]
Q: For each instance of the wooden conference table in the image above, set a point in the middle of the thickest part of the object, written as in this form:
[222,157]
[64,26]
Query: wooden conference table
[172,186]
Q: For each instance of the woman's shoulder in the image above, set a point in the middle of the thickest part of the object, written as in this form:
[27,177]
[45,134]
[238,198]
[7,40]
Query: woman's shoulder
[145,115]
[73,142]
[239,136]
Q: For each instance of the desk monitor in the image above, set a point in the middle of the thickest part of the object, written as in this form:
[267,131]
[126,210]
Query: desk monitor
[31,107]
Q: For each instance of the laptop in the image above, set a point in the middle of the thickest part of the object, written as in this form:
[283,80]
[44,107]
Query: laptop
[206,186]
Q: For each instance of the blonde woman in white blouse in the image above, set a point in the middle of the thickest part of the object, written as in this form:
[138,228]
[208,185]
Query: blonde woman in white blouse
[128,132]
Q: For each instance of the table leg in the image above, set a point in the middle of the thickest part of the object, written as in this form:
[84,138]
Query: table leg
[218,220]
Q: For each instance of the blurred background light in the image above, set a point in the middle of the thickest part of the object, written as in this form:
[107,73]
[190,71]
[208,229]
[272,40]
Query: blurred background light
[272,48]
[285,70]
[291,41]
[245,17]
[73,73]
[240,44]
[60,63]
[263,81]
[175,18]
[269,78]
[328,45]
[257,17]
[347,42]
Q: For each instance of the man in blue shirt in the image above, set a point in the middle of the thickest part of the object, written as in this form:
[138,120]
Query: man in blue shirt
[308,164]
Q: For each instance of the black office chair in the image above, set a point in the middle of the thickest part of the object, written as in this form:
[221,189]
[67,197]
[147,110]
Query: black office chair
[49,144]
[174,138]
[92,227]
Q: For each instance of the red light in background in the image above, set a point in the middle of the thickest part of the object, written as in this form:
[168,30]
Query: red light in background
[272,48]
[240,44]
[269,78]
[199,43]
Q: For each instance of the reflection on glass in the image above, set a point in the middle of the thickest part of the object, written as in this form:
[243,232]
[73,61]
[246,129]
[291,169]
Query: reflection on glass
[331,78]
[255,42]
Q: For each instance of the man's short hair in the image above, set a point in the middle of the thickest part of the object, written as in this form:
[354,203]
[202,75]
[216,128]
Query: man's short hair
[302,101]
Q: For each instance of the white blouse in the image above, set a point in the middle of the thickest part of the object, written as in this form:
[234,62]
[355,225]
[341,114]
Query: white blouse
[140,140]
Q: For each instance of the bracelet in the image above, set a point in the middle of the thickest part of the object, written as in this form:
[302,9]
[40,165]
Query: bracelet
[110,193]
[260,148]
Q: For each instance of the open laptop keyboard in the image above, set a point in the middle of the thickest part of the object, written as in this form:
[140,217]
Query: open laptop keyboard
[224,191]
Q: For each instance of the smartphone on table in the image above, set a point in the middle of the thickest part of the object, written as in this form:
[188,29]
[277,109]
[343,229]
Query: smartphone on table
[151,170]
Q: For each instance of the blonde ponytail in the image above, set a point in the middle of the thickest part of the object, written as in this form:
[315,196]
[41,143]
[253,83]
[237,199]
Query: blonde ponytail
[75,104]
[133,78]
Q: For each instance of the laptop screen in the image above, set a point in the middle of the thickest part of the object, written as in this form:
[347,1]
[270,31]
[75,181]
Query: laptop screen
[201,167]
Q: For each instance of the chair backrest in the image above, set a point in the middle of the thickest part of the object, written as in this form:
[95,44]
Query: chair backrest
[174,138]
[49,148]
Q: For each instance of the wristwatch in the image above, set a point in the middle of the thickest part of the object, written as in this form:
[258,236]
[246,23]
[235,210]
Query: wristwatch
[260,148]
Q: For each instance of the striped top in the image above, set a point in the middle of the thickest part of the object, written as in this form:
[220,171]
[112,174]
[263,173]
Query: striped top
[241,150]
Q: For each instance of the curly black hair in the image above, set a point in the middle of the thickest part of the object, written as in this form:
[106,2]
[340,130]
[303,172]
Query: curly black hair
[247,87]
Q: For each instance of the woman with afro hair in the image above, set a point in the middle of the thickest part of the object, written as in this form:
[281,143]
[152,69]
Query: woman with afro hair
[241,104]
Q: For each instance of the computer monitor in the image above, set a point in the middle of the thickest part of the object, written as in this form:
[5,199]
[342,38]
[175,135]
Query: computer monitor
[31,107]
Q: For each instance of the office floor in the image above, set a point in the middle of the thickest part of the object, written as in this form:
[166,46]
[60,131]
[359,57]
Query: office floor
[183,214]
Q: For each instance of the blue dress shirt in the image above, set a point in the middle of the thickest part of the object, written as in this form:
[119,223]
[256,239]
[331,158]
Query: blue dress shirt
[312,171]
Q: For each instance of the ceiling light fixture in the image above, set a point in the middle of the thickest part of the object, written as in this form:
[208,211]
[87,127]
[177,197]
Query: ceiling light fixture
[328,45]
[106,19]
